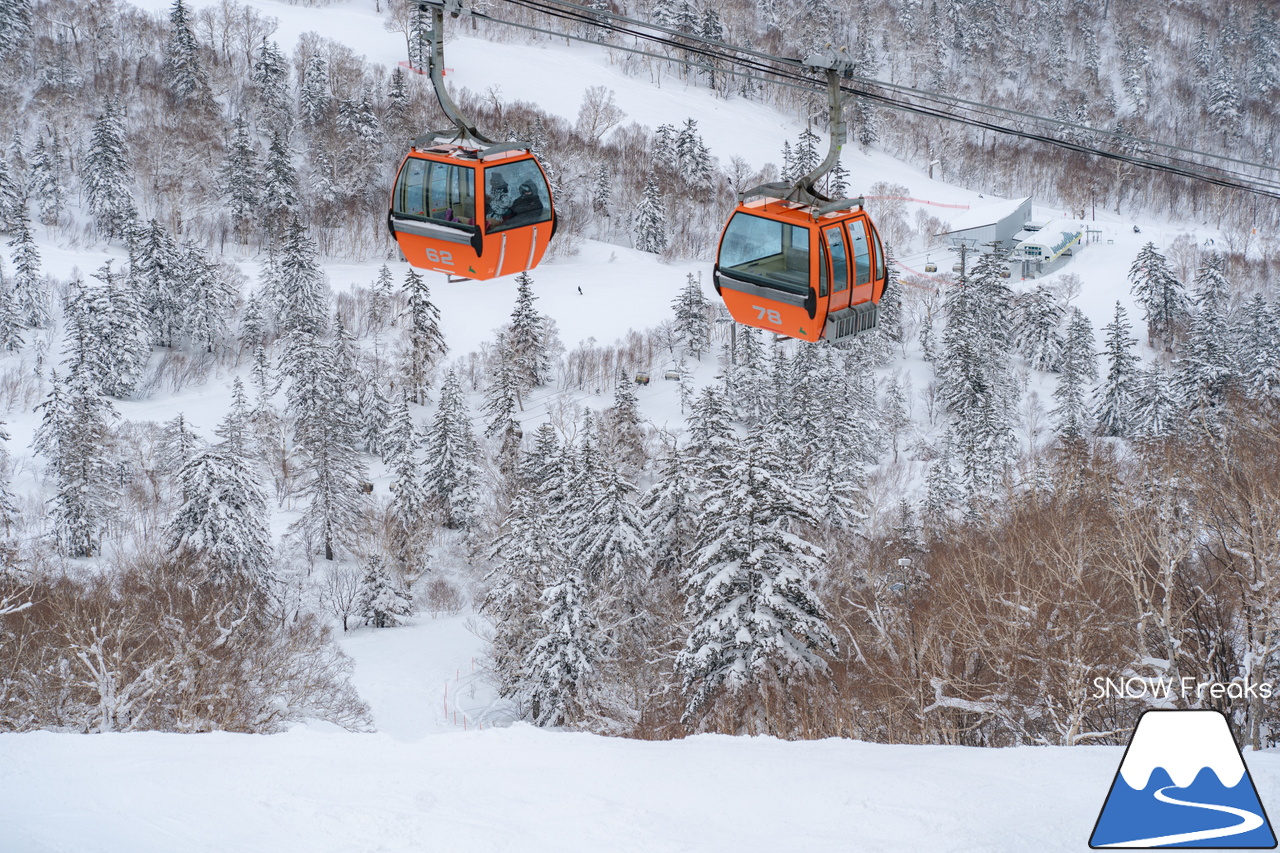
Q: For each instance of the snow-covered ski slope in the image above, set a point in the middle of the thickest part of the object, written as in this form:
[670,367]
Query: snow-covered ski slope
[525,790]
[422,783]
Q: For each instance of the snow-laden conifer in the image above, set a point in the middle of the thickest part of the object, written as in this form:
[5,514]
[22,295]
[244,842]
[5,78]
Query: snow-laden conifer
[106,173]
[1079,370]
[74,436]
[1259,351]
[187,79]
[560,670]
[1206,367]
[691,317]
[1036,330]
[451,475]
[1115,409]
[223,521]
[756,620]
[326,434]
[384,603]
[424,341]
[1160,294]
[649,227]
[240,178]
[29,292]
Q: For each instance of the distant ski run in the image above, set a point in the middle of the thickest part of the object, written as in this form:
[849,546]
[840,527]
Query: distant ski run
[1249,821]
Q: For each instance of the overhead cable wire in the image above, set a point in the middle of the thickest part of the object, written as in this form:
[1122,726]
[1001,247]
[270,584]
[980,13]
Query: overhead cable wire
[592,16]
[792,73]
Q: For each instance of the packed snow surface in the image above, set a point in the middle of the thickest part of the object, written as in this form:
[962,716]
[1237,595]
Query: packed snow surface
[525,789]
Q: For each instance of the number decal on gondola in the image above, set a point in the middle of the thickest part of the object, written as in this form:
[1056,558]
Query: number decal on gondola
[439,257]
[773,316]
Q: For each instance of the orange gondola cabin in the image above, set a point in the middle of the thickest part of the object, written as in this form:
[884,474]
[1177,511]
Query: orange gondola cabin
[475,213]
[801,270]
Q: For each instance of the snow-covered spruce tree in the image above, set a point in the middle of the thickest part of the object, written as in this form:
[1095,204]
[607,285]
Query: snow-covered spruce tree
[314,101]
[12,197]
[239,180]
[106,175]
[188,81]
[9,556]
[325,433]
[542,460]
[610,549]
[451,475]
[757,624]
[380,300]
[222,522]
[693,159]
[74,436]
[942,492]
[15,26]
[156,275]
[691,317]
[1159,410]
[602,191]
[1078,371]
[48,178]
[210,299]
[977,384]
[384,603]
[408,498]
[711,435]
[528,339]
[664,146]
[1036,336]
[560,671]
[622,434]
[895,415]
[236,428]
[271,89]
[650,219]
[804,156]
[29,292]
[1259,351]
[374,411]
[1206,366]
[279,191]
[1160,294]
[11,324]
[671,511]
[1115,409]
[424,342]
[528,555]
[178,444]
[121,333]
[501,401]
[747,379]
[104,331]
[299,294]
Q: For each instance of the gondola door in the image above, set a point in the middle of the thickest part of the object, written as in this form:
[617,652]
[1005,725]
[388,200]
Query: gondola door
[839,267]
[862,285]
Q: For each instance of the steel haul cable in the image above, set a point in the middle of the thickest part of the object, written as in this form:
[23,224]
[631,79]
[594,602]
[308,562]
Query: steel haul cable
[765,68]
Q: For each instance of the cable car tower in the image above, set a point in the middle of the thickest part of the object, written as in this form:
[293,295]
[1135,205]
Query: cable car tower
[795,262]
[463,204]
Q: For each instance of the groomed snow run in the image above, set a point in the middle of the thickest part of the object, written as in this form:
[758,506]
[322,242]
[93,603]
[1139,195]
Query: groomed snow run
[524,790]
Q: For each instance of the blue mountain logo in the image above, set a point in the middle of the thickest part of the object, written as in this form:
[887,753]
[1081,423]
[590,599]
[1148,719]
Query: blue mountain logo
[1183,783]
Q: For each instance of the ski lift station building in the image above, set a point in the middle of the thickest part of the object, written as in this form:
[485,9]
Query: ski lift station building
[994,222]
[1046,242]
